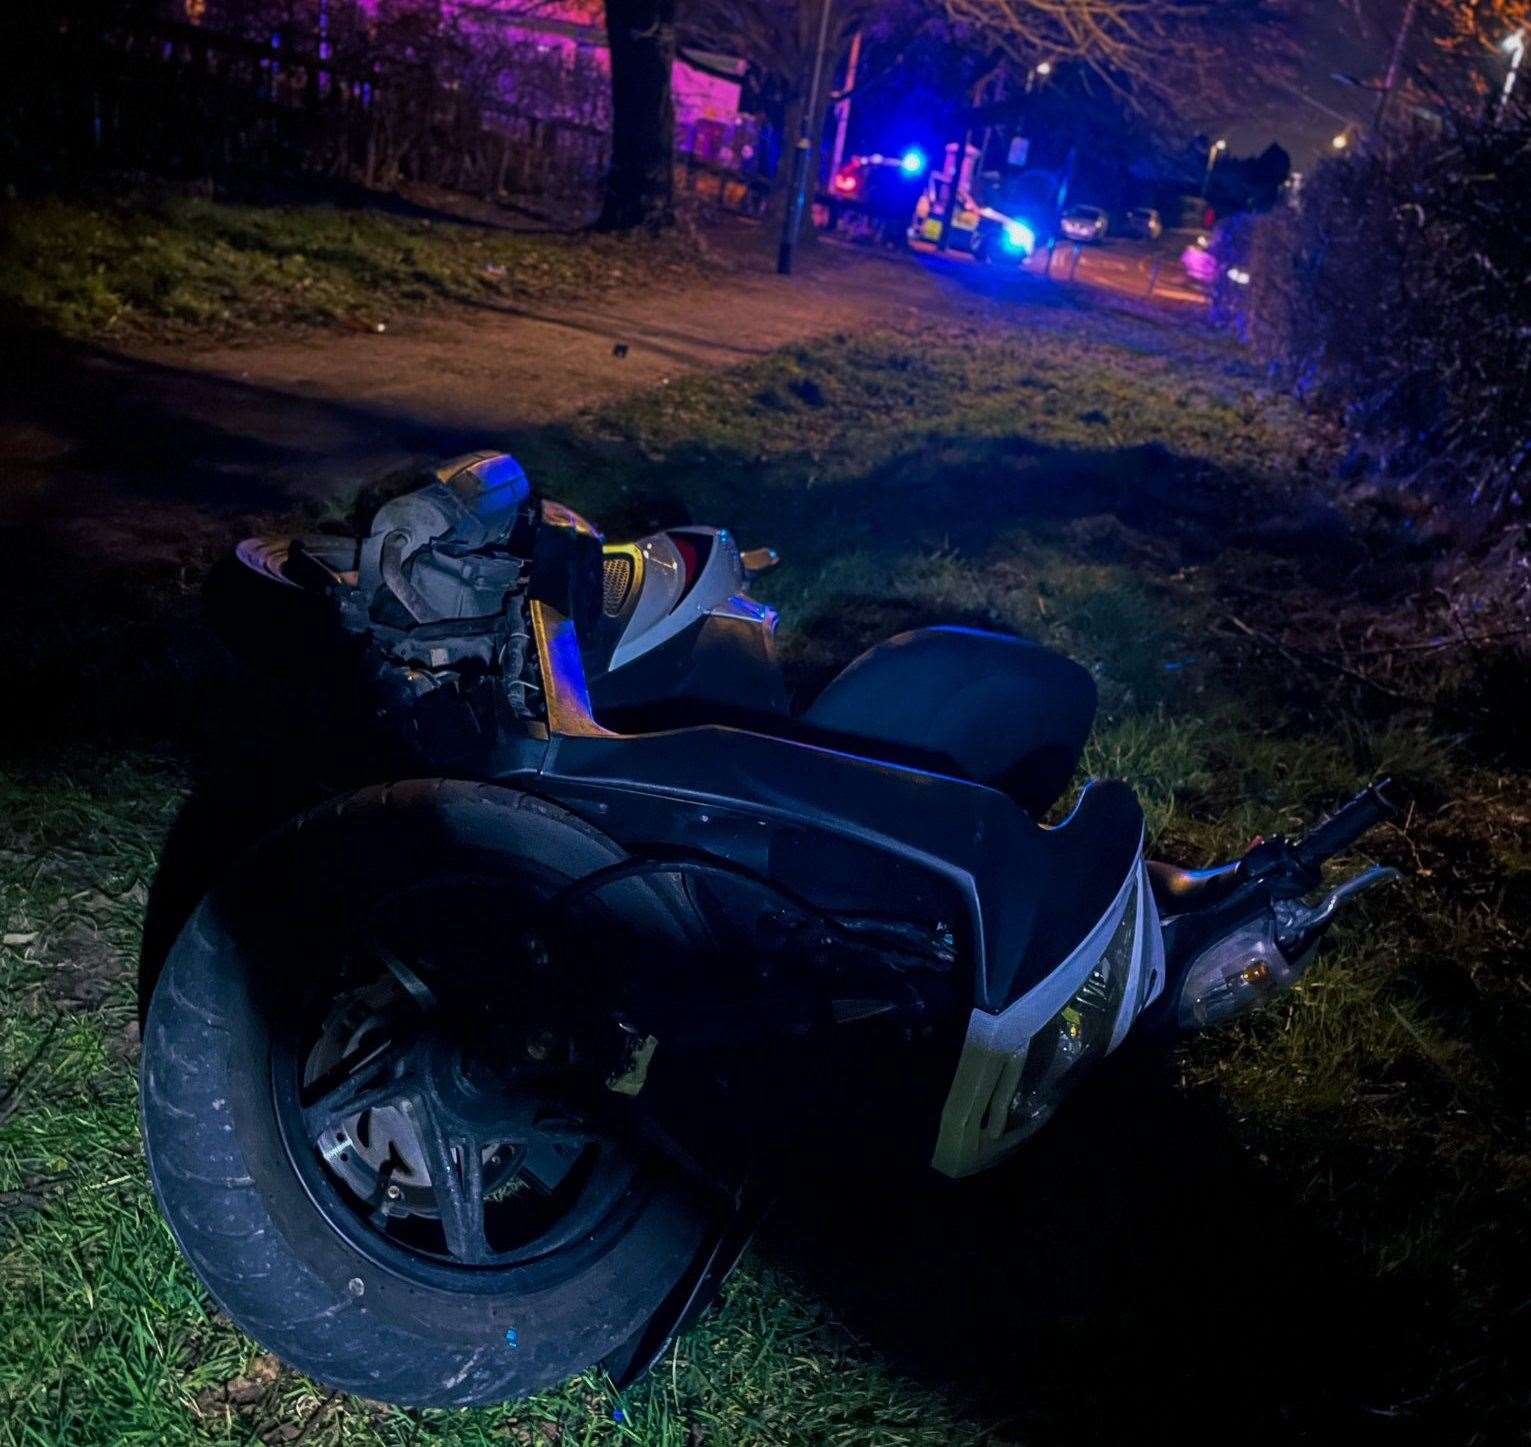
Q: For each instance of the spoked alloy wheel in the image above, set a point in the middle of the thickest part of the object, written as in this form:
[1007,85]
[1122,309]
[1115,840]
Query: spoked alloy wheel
[375,1106]
[448,1114]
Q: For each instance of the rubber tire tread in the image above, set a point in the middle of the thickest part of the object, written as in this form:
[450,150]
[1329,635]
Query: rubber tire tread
[219,1216]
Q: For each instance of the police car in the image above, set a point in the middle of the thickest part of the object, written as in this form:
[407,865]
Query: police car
[993,218]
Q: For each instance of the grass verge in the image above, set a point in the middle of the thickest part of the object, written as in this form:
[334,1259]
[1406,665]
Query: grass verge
[136,268]
[1310,1224]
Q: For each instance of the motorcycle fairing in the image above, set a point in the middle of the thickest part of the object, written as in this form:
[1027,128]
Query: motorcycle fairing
[1022,895]
[677,577]
[719,667]
[975,1127]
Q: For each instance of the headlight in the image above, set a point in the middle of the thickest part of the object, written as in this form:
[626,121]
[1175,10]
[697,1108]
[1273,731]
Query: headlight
[1078,1035]
[1019,238]
[1017,1065]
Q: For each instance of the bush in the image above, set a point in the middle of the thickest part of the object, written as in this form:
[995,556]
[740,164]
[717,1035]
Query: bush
[1400,295]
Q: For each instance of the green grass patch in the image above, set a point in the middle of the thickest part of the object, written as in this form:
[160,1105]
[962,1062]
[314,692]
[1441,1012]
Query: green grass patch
[177,267]
[1343,1181]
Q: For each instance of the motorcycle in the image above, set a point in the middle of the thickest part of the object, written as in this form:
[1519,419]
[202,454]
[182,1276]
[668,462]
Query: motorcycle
[462,1083]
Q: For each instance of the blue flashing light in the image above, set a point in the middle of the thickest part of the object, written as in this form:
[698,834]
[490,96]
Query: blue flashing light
[913,162]
[1020,238]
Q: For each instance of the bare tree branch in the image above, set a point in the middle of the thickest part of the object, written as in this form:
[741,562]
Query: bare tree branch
[1151,53]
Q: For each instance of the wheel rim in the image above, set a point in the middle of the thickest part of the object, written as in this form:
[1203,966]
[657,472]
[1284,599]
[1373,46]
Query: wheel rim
[439,1137]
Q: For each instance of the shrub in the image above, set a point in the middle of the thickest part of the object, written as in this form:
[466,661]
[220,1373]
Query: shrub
[1399,293]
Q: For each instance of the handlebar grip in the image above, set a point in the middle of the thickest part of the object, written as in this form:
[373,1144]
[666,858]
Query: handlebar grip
[1347,824]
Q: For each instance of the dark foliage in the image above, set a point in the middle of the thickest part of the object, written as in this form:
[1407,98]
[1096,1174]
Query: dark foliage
[1400,294]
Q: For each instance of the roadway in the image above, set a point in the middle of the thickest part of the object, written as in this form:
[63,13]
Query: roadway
[1139,270]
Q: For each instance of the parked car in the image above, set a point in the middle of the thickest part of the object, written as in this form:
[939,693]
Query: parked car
[1144,222]
[1084,223]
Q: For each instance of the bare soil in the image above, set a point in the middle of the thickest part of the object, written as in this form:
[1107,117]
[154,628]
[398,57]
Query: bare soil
[88,436]
[212,434]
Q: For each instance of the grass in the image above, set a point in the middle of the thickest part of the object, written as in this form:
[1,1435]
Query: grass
[179,267]
[1310,1224]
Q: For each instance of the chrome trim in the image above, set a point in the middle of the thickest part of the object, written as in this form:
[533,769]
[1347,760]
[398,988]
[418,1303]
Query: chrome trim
[744,609]
[1145,979]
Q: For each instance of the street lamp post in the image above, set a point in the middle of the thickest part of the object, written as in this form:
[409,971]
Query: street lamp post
[1213,152]
[802,153]
[1516,45]
[843,106]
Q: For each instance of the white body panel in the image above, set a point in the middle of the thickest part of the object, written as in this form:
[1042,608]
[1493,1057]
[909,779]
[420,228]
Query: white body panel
[974,1134]
[661,611]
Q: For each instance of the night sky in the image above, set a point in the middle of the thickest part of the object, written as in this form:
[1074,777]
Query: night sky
[1306,116]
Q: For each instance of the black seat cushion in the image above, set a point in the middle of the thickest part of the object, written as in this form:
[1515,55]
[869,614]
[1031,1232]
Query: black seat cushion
[984,706]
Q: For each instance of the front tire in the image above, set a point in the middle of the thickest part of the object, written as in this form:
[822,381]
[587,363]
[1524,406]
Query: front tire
[406,1318]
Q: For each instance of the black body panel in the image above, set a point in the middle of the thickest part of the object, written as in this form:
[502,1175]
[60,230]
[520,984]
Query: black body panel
[718,670]
[866,834]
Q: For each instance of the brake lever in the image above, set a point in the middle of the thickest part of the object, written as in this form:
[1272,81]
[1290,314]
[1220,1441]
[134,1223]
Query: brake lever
[1344,893]
[1293,867]
[1298,923]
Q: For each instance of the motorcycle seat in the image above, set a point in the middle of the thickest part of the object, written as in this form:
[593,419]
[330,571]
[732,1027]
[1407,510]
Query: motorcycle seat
[987,707]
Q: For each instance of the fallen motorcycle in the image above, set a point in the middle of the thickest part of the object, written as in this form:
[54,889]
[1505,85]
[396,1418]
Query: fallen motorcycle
[465,1082]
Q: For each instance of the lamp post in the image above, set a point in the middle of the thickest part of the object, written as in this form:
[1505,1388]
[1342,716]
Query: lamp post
[1516,45]
[843,107]
[803,151]
[1340,141]
[1213,152]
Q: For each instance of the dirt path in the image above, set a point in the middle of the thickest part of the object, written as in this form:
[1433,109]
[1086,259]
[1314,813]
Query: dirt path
[508,369]
[143,452]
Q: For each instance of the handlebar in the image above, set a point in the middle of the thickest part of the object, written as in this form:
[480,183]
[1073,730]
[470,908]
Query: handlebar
[1347,824]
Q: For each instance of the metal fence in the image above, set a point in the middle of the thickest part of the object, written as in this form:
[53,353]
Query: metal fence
[172,97]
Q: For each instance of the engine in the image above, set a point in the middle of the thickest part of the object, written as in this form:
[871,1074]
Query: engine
[438,592]
[434,606]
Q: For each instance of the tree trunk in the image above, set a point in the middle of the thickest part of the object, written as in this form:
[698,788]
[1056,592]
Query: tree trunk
[640,182]
[780,195]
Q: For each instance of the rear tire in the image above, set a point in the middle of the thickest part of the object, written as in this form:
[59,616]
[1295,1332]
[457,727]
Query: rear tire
[229,1182]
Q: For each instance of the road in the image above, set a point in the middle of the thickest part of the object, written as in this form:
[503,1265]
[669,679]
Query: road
[1147,271]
